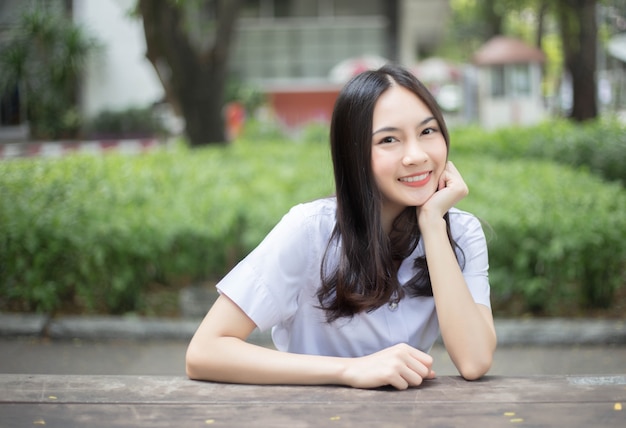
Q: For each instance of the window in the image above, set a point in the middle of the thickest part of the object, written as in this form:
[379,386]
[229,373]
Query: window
[310,8]
[510,81]
[357,7]
[282,40]
[497,82]
[520,80]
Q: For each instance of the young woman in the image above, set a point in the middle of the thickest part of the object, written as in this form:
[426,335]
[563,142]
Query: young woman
[356,288]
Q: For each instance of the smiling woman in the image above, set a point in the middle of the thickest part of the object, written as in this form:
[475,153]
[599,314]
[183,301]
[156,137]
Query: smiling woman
[409,151]
[356,288]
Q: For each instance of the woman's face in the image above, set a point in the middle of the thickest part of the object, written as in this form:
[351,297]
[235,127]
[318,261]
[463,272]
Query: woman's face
[409,151]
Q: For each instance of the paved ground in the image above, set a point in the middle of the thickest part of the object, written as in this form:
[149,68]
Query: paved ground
[144,346]
[137,346]
[166,357]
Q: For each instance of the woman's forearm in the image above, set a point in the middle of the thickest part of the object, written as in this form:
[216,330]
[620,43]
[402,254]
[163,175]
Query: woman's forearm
[218,352]
[466,327]
[230,359]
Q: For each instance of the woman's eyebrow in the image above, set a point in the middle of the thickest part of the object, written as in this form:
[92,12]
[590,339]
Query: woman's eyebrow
[385,129]
[393,129]
[425,121]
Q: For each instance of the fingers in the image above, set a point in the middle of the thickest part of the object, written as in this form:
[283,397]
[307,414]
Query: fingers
[417,367]
[451,189]
[422,367]
[450,174]
[412,377]
[406,377]
[445,176]
[400,366]
[442,181]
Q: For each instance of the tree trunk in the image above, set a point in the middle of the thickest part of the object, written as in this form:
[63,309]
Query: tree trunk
[193,78]
[577,21]
[541,21]
[492,19]
[201,96]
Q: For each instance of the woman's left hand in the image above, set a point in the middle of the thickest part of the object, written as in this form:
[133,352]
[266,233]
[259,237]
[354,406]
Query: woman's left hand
[451,189]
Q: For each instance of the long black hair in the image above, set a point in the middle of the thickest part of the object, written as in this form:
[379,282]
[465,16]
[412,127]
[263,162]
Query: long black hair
[365,276]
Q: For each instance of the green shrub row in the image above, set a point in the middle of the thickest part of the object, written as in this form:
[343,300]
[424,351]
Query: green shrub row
[92,233]
[556,235]
[599,146]
[133,122]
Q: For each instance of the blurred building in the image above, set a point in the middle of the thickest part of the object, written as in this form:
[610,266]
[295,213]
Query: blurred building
[508,83]
[299,51]
[302,40]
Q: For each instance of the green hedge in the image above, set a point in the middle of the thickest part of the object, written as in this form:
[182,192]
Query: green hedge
[556,235]
[93,233]
[133,122]
[599,146]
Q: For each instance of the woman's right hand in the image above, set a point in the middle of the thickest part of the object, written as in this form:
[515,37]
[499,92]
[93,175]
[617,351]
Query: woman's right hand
[400,366]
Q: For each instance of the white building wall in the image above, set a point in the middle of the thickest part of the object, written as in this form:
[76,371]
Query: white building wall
[119,75]
[510,110]
[422,22]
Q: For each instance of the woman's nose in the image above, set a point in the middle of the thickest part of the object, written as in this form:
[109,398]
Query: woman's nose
[413,154]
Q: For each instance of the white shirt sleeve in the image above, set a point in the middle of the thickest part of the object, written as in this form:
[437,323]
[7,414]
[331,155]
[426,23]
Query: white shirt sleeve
[265,284]
[468,234]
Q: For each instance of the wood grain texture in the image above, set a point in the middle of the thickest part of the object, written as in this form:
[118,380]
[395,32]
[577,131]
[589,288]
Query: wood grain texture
[152,401]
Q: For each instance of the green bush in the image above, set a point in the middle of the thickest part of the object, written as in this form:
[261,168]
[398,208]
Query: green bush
[93,233]
[599,146]
[556,235]
[261,131]
[316,132]
[133,122]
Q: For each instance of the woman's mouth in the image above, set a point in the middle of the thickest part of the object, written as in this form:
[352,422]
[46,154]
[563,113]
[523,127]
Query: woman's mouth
[416,180]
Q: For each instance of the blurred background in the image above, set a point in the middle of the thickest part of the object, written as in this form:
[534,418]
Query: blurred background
[147,146]
[493,63]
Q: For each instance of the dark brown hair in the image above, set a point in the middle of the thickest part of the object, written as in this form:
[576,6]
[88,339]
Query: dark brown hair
[366,274]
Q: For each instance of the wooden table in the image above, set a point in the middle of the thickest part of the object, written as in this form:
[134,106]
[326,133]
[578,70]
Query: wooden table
[150,401]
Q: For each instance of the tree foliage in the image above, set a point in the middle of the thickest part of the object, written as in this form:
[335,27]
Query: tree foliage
[44,57]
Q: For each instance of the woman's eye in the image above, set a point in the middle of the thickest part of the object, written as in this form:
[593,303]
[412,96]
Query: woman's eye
[388,140]
[429,131]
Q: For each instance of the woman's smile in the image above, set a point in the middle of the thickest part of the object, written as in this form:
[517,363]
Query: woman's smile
[417,180]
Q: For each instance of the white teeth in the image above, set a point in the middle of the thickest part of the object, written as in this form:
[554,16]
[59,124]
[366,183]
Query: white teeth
[415,178]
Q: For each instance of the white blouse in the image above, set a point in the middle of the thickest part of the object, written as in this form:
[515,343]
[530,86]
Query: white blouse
[276,286]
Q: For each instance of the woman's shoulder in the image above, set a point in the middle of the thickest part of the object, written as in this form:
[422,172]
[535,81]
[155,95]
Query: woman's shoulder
[323,209]
[463,222]
[315,218]
[460,215]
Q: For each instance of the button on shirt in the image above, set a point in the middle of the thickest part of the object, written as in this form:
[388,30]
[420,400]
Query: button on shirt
[276,286]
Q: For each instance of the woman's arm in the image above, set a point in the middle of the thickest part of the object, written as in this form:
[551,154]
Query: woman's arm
[218,352]
[467,328]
